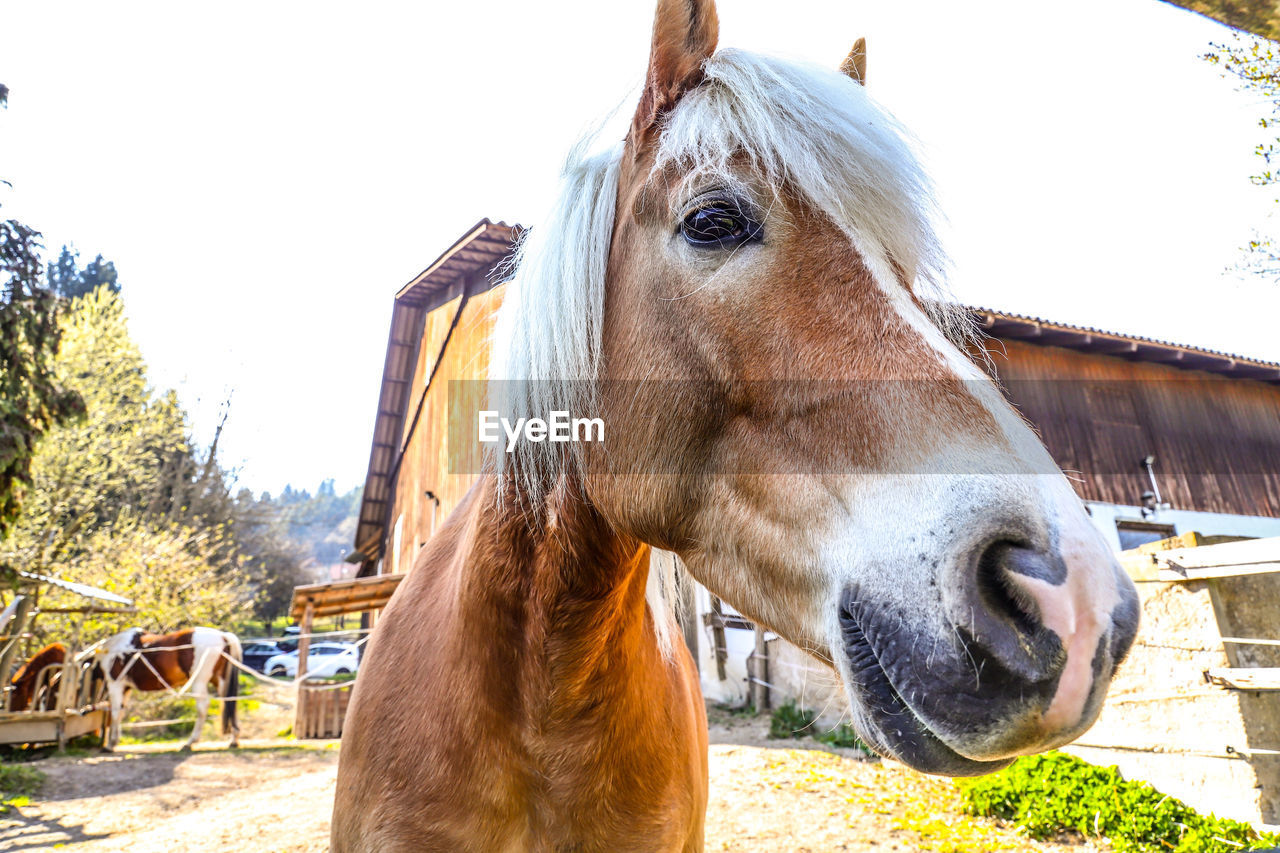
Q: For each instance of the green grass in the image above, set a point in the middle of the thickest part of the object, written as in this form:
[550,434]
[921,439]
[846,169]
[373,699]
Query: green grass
[1053,793]
[18,784]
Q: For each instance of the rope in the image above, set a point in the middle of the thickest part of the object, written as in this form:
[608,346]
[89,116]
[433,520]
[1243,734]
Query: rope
[827,672]
[247,640]
[1235,753]
[291,686]
[204,656]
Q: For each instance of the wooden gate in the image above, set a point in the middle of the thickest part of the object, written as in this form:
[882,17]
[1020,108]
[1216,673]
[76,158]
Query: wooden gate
[322,706]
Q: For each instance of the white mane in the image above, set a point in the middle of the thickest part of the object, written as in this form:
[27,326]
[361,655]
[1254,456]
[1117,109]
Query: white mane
[810,128]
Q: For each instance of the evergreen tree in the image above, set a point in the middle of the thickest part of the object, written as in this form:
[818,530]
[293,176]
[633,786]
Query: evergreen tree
[64,273]
[68,280]
[99,273]
[31,398]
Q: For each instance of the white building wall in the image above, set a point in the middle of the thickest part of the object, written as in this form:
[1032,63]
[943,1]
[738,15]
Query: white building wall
[1105,516]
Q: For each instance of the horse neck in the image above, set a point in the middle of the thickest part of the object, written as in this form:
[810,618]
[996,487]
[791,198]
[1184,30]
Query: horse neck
[563,596]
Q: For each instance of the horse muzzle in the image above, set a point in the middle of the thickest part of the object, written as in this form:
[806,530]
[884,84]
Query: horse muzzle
[1013,658]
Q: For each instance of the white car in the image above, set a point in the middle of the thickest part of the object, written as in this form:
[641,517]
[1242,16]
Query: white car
[323,659]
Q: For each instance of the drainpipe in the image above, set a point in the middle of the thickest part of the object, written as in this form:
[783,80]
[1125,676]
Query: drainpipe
[1152,502]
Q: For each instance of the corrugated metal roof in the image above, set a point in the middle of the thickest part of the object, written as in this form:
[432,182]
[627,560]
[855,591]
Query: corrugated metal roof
[477,253]
[80,589]
[1035,330]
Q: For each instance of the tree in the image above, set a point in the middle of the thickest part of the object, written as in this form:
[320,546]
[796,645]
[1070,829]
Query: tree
[291,537]
[274,563]
[68,280]
[64,273]
[129,452]
[176,576]
[1255,62]
[31,398]
[121,498]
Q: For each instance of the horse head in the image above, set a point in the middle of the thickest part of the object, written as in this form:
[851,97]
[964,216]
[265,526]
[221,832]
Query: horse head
[744,285]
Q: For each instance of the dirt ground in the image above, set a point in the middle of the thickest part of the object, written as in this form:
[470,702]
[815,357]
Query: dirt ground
[276,795]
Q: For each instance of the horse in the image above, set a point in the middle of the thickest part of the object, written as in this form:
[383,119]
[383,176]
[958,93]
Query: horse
[191,658]
[33,686]
[744,291]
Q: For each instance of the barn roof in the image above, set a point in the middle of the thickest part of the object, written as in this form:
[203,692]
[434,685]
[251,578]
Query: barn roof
[354,595]
[479,254]
[1034,330]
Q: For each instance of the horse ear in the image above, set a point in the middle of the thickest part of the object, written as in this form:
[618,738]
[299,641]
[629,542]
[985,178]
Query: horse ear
[855,64]
[684,36]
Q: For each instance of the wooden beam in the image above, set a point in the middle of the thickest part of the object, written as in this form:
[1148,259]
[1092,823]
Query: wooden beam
[1225,560]
[1177,575]
[1245,678]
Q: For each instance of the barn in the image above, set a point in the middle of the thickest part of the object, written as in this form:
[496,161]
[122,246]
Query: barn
[1168,444]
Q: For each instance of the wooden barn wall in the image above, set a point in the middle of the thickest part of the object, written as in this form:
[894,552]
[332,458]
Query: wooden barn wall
[1216,440]
[425,466]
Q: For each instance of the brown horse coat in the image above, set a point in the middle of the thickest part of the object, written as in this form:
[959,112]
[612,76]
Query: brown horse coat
[24,682]
[550,722]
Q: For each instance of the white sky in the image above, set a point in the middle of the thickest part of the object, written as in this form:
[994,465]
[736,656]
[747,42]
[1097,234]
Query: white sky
[266,176]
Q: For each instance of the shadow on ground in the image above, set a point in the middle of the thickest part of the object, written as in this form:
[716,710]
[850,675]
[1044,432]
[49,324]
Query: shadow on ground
[20,831]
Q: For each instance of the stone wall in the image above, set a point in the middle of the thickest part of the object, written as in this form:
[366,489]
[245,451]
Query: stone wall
[1164,723]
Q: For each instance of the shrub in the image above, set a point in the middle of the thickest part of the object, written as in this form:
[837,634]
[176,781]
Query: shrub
[1053,793]
[845,737]
[792,721]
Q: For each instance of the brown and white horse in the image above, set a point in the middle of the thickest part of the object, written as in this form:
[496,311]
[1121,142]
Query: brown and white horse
[737,291]
[188,660]
[34,686]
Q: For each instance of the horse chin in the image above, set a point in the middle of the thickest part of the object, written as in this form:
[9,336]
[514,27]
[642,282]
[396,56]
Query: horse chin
[887,724]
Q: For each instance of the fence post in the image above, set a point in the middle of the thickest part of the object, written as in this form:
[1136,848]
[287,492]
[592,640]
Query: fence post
[304,647]
[758,672]
[21,610]
[717,636]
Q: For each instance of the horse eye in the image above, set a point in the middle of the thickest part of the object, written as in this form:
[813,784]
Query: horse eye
[718,225]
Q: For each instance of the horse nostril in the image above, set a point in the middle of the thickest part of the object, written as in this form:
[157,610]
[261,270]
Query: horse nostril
[1002,596]
[1005,619]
